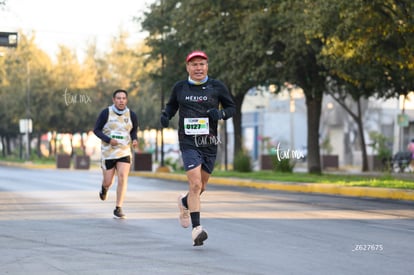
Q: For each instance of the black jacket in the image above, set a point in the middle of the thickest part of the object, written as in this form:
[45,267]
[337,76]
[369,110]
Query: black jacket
[193,101]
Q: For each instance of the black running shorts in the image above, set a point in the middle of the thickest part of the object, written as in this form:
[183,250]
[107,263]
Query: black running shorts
[194,157]
[109,164]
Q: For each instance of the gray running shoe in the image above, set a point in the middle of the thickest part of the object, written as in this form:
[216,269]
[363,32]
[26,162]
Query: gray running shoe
[199,236]
[104,193]
[118,214]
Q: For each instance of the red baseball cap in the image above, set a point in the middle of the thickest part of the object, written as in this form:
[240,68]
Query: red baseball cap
[196,54]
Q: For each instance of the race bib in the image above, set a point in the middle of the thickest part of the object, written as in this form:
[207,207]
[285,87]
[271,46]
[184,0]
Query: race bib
[121,137]
[196,126]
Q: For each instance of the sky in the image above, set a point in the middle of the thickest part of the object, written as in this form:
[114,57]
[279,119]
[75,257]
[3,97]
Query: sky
[73,22]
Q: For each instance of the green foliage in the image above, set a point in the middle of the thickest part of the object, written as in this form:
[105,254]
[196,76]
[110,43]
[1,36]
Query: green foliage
[175,164]
[365,46]
[326,146]
[242,162]
[384,180]
[284,165]
[67,95]
[380,145]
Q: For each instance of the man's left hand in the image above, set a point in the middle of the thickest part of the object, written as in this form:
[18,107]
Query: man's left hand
[215,114]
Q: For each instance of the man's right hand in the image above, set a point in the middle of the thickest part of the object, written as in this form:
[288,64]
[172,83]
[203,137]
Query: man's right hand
[113,142]
[165,121]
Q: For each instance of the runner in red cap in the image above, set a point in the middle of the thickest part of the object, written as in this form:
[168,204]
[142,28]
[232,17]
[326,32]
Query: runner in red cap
[193,54]
[202,102]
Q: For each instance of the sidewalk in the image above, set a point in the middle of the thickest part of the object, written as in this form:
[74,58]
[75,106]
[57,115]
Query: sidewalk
[319,188]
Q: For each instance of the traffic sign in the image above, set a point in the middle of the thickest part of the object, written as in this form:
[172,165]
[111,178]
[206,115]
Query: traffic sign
[8,39]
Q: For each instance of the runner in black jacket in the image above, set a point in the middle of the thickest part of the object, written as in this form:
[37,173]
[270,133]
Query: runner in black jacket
[201,103]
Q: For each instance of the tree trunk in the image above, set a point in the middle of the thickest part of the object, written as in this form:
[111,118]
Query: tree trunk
[3,146]
[357,117]
[8,145]
[55,148]
[29,145]
[314,107]
[72,151]
[237,123]
[39,143]
[83,145]
[358,120]
[51,147]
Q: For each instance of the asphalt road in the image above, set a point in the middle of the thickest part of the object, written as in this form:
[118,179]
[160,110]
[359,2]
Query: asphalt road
[52,222]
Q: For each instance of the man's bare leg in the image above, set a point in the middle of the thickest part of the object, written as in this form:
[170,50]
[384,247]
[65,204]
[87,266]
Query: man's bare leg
[123,172]
[197,180]
[107,181]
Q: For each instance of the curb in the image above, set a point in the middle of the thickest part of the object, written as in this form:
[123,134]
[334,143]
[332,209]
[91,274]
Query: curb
[28,165]
[317,188]
[31,165]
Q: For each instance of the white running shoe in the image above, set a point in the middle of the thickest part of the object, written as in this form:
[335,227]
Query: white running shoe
[184,213]
[199,235]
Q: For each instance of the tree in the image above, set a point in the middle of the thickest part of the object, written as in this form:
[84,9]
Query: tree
[299,64]
[220,32]
[165,52]
[65,95]
[368,50]
[25,76]
[147,89]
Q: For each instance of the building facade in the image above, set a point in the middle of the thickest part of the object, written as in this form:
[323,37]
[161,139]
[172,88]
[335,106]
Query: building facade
[279,120]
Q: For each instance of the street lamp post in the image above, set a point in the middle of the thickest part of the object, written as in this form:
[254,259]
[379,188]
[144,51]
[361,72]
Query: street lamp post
[162,82]
[402,123]
[25,124]
[291,114]
[162,106]
[28,114]
[292,119]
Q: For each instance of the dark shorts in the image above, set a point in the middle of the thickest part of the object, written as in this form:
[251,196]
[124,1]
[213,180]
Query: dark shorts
[109,164]
[194,157]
